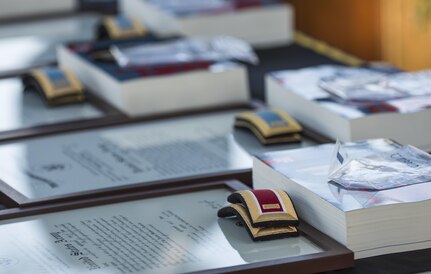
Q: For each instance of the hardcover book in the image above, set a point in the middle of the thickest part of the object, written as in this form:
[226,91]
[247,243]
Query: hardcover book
[356,103]
[369,220]
[260,22]
[142,89]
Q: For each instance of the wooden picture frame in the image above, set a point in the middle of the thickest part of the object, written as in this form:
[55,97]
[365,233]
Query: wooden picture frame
[333,256]
[10,197]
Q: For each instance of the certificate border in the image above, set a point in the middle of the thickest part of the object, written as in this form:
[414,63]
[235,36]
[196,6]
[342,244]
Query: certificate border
[28,18]
[13,198]
[333,257]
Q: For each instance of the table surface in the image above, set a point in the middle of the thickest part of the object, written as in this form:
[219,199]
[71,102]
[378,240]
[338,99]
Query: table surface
[20,108]
[281,58]
[30,44]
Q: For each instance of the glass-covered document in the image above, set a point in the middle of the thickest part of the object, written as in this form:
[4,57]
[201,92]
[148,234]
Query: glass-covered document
[33,43]
[170,234]
[24,109]
[123,155]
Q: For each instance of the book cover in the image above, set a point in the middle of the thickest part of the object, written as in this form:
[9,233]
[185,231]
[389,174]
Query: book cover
[356,103]
[217,17]
[209,7]
[304,168]
[358,92]
[138,89]
[99,55]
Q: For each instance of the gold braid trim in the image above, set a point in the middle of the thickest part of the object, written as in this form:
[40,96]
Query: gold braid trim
[323,48]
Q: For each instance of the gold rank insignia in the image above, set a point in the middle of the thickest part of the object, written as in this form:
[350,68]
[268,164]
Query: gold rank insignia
[121,27]
[270,126]
[265,213]
[57,86]
[256,233]
[266,207]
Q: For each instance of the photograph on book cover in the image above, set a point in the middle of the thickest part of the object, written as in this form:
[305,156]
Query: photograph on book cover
[170,230]
[23,112]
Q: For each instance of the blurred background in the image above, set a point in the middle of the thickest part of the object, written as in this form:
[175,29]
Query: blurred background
[395,31]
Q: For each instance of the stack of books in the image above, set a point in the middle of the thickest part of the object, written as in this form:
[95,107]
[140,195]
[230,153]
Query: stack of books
[370,222]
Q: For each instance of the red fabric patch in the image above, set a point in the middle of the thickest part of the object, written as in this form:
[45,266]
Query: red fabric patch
[169,68]
[268,200]
[243,4]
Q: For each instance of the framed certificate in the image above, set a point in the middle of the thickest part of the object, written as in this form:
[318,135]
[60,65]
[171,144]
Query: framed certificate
[165,231]
[24,113]
[127,155]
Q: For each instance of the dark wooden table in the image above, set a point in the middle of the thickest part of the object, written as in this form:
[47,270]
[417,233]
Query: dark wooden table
[293,57]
